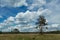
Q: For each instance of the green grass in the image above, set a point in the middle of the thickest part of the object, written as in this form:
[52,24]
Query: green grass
[29,37]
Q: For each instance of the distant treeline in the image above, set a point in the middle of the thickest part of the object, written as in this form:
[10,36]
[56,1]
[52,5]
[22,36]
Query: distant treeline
[52,32]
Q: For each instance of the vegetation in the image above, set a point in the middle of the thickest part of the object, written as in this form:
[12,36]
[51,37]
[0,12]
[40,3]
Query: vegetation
[0,32]
[15,31]
[29,37]
[41,23]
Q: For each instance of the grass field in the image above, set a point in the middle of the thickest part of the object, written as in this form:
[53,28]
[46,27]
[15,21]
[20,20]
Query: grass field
[29,37]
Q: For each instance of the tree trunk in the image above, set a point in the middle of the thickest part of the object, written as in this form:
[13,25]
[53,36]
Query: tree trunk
[41,30]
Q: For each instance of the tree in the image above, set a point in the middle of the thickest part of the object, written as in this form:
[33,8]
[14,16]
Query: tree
[0,32]
[15,30]
[41,23]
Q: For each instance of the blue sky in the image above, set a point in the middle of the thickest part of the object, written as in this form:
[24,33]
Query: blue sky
[23,14]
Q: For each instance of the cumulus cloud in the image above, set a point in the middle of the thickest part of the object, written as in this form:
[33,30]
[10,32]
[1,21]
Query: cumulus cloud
[52,27]
[23,21]
[12,3]
[26,21]
[53,6]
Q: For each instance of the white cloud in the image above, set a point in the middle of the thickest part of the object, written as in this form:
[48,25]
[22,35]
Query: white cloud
[55,25]
[54,7]
[20,3]
[10,18]
[36,3]
[26,20]
[12,3]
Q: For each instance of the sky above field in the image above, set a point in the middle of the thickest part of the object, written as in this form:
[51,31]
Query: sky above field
[23,14]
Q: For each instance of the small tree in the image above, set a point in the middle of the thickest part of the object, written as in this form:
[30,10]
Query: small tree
[15,30]
[0,32]
[41,23]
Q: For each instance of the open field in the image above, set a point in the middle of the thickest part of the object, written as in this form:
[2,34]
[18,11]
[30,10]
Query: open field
[29,37]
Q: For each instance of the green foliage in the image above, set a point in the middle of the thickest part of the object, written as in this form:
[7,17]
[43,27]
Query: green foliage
[41,23]
[15,31]
[42,20]
[0,32]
